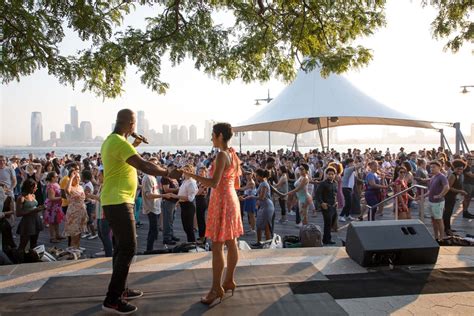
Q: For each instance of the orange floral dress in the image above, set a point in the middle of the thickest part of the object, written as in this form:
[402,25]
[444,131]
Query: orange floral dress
[223,215]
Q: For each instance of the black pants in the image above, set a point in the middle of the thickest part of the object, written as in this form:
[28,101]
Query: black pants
[329,216]
[282,203]
[188,209]
[152,230]
[122,222]
[347,202]
[448,212]
[7,235]
[201,207]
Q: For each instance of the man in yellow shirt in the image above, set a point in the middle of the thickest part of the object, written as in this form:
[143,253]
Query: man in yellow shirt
[121,161]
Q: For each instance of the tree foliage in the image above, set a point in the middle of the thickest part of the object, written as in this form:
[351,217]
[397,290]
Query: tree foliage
[454,21]
[264,39]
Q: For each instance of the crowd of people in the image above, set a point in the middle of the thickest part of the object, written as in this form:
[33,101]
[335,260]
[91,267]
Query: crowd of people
[102,196]
[44,192]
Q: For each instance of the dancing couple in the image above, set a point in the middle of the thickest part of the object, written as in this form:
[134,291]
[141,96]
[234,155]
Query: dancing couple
[121,161]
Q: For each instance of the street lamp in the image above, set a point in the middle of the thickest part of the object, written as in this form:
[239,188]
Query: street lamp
[257,103]
[464,89]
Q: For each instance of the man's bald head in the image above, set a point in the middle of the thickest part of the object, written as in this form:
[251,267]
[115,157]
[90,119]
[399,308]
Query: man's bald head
[125,116]
[125,122]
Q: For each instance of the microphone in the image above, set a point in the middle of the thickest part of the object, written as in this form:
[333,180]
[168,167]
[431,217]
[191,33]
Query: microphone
[140,137]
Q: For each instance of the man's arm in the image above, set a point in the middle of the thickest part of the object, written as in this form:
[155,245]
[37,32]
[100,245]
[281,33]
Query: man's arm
[146,167]
[13,176]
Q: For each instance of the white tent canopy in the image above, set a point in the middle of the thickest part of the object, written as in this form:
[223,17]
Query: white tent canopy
[311,96]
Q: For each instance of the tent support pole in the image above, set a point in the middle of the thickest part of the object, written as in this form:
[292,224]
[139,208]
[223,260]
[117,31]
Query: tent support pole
[269,142]
[320,132]
[296,142]
[327,126]
[240,142]
[441,138]
[461,145]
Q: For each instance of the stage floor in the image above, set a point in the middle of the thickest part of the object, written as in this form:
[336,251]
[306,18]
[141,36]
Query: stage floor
[309,281]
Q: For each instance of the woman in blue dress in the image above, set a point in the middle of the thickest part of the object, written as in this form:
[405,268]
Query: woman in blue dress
[265,205]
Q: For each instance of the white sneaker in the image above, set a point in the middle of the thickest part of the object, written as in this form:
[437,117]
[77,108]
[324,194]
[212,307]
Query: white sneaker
[350,218]
[299,225]
[92,237]
[100,254]
[82,248]
[342,219]
[292,213]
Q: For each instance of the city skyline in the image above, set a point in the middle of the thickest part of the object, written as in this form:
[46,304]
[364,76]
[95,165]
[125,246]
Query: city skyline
[181,135]
[409,73]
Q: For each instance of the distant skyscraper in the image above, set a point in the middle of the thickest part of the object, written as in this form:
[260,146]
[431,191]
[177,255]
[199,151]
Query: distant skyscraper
[208,129]
[53,136]
[74,118]
[183,135]
[166,134]
[36,129]
[193,134]
[142,124]
[86,131]
[174,135]
[68,132]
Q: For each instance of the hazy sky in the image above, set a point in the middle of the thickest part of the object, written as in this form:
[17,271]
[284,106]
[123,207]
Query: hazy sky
[409,72]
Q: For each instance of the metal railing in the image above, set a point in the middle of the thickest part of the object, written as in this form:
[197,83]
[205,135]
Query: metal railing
[421,203]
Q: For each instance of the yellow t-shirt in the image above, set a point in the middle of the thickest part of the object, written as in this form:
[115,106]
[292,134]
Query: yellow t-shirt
[120,178]
[63,185]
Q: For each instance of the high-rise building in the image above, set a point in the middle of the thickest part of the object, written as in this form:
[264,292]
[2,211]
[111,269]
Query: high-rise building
[53,136]
[193,134]
[166,134]
[208,129]
[68,132]
[74,118]
[174,135]
[183,135]
[143,127]
[86,131]
[36,129]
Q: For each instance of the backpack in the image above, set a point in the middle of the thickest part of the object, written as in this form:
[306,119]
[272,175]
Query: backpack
[311,236]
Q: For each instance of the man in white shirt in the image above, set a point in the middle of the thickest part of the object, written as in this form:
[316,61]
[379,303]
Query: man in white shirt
[152,205]
[348,181]
[7,176]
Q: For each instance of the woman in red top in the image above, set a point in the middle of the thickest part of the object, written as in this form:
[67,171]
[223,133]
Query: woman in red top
[400,184]
[224,223]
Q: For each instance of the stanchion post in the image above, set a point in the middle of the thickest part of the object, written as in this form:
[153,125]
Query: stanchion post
[396,207]
[421,205]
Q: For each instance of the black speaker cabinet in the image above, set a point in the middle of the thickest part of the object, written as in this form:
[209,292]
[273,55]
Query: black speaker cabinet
[383,242]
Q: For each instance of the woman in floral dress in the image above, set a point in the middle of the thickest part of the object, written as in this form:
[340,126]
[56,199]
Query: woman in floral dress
[76,215]
[53,215]
[224,223]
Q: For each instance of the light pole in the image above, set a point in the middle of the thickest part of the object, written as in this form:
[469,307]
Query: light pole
[267,99]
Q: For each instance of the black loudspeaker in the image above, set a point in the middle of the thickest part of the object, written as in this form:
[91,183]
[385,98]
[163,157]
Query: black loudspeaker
[399,242]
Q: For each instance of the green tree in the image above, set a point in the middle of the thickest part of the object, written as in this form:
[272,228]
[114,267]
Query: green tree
[265,39]
[454,21]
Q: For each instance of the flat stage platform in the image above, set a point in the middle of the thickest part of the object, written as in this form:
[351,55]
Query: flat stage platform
[305,281]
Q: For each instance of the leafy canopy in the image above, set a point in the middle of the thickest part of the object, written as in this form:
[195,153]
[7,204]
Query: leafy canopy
[264,39]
